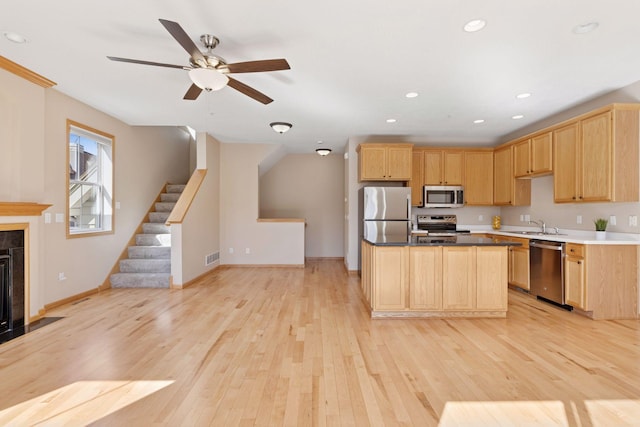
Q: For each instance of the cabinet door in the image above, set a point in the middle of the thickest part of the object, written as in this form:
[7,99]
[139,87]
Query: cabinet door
[391,271]
[399,163]
[574,282]
[453,168]
[491,277]
[519,271]
[542,154]
[565,162]
[417,171]
[425,278]
[433,167]
[372,163]
[521,158]
[478,178]
[458,277]
[596,157]
[502,177]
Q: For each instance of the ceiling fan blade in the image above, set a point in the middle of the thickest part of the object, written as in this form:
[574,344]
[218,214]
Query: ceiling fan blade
[193,93]
[249,91]
[137,61]
[183,38]
[257,66]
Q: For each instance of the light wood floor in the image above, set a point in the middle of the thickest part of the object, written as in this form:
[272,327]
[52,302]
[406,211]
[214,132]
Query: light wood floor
[278,346]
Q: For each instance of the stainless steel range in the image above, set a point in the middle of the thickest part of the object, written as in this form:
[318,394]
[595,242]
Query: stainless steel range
[438,225]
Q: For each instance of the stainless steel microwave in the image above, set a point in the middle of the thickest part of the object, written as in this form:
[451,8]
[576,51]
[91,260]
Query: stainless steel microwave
[443,196]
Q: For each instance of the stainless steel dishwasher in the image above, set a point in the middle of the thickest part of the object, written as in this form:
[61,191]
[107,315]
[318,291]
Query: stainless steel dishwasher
[546,270]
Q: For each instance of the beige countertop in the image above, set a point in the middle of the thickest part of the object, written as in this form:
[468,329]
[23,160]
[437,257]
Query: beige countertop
[567,236]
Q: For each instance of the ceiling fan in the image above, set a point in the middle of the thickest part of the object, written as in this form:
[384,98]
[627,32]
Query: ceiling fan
[210,72]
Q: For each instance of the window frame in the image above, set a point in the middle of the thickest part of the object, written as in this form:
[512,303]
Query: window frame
[100,137]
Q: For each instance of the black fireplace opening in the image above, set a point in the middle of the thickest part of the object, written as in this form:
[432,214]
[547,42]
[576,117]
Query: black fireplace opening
[11,280]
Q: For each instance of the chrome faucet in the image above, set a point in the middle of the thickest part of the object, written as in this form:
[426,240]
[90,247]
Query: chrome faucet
[541,224]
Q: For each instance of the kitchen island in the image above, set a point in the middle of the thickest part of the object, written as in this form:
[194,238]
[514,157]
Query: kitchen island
[443,276]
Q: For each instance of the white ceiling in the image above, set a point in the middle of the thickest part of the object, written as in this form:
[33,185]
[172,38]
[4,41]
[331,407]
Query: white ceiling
[352,62]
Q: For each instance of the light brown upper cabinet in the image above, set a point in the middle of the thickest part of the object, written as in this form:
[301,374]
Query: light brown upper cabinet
[533,156]
[506,189]
[417,171]
[478,178]
[596,157]
[443,167]
[385,162]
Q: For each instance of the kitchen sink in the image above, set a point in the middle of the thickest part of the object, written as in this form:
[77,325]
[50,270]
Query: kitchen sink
[536,233]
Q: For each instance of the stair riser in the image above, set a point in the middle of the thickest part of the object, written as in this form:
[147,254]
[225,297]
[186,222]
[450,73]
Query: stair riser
[145,266]
[169,197]
[138,280]
[153,252]
[164,206]
[155,228]
[158,216]
[175,188]
[153,239]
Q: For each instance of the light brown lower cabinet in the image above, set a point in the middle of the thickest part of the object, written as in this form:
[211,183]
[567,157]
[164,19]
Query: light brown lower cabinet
[449,281]
[602,280]
[518,260]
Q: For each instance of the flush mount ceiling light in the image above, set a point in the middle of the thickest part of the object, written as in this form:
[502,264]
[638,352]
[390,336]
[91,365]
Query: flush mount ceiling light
[523,95]
[391,120]
[474,25]
[14,37]
[411,94]
[478,121]
[517,117]
[208,78]
[323,151]
[280,127]
[585,28]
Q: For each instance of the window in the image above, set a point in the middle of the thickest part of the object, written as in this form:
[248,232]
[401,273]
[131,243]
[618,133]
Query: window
[90,181]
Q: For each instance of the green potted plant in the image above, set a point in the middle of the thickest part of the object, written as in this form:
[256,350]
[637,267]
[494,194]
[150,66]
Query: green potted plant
[601,228]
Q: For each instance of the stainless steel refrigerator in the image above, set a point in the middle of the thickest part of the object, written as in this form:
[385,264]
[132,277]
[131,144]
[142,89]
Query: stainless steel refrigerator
[386,212]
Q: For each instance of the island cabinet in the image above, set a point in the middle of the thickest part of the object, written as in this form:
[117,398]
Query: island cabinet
[384,162]
[595,157]
[435,281]
[507,190]
[533,156]
[602,280]
[518,260]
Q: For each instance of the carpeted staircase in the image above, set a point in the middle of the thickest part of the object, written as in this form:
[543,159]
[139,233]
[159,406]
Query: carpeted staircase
[149,262]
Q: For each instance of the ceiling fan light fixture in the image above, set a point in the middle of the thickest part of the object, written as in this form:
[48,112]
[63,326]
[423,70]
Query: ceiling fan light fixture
[280,127]
[208,79]
[323,151]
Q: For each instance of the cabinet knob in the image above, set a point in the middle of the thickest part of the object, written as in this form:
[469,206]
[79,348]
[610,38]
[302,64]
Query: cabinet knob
[579,262]
[573,198]
[572,250]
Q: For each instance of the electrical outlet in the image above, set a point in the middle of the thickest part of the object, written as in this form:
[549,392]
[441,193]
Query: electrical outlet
[579,219]
[633,220]
[612,220]
[521,218]
[247,251]
[47,218]
[230,250]
[117,205]
[527,218]
[480,218]
[61,277]
[59,217]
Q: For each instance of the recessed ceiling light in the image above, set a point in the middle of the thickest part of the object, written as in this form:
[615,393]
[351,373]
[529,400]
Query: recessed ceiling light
[523,95]
[391,120]
[475,25]
[320,142]
[517,117]
[411,94]
[15,37]
[478,121]
[585,28]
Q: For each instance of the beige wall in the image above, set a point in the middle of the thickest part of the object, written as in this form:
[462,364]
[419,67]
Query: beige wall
[199,234]
[267,243]
[33,169]
[311,187]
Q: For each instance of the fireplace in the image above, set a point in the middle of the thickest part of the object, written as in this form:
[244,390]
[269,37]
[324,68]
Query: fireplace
[12,280]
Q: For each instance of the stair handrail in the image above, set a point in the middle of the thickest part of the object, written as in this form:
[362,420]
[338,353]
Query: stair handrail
[186,198]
